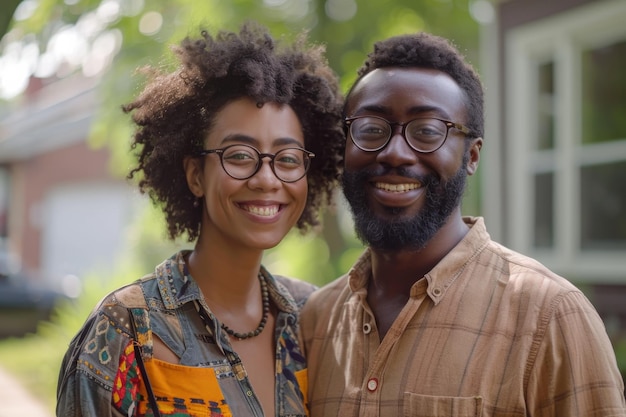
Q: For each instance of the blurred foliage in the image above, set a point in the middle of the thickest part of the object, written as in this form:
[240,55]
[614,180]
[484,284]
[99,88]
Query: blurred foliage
[348,28]
[620,352]
[7,9]
[35,359]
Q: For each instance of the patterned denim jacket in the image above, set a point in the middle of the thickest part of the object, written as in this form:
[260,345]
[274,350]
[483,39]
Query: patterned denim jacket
[99,374]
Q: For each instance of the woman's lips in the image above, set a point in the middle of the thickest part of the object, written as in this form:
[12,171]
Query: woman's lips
[265,210]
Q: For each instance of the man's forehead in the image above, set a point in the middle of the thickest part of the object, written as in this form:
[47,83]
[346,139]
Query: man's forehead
[379,75]
[393,82]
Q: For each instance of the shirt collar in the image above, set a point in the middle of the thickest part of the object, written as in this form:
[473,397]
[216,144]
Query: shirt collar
[175,284]
[178,287]
[280,295]
[443,275]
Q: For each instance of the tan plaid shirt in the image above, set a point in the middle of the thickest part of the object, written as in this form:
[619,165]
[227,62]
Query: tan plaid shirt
[488,332]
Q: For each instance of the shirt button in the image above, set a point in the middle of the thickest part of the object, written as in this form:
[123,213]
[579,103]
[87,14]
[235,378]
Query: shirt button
[249,393]
[437,292]
[372,384]
[367,328]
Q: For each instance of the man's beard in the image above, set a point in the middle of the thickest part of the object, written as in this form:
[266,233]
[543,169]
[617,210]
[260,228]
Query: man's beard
[442,198]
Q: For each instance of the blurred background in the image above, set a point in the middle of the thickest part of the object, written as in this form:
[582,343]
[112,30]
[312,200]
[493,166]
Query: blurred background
[72,228]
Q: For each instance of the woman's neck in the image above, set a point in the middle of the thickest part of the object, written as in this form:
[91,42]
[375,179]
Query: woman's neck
[225,274]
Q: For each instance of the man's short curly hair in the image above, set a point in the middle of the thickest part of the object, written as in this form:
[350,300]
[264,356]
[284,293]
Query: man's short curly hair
[175,111]
[424,50]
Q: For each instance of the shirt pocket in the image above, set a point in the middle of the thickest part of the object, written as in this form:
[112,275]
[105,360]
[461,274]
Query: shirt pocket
[183,391]
[416,405]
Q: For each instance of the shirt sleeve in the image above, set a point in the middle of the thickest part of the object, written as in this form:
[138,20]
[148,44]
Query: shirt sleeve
[91,369]
[572,370]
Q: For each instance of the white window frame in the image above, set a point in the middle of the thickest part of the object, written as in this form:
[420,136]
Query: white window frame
[560,40]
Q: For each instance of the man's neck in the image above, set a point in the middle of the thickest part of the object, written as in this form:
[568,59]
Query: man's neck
[394,272]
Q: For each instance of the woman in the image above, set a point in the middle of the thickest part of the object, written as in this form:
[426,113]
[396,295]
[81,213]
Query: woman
[237,145]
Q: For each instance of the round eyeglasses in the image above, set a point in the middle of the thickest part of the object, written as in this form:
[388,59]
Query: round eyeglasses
[425,135]
[243,161]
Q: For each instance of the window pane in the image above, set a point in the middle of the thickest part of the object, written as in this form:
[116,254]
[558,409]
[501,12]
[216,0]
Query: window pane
[4,204]
[545,106]
[544,209]
[604,93]
[603,206]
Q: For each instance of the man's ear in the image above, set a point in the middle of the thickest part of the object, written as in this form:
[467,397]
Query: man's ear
[474,155]
[193,173]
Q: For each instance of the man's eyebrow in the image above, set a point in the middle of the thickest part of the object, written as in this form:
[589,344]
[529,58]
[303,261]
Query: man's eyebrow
[426,109]
[376,108]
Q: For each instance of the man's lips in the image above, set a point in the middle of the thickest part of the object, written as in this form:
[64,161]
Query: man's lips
[397,191]
[397,188]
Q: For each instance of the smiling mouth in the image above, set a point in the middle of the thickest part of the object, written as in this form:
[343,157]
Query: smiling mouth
[265,211]
[396,188]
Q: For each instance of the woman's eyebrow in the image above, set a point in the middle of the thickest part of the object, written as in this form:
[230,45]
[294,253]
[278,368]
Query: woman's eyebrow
[239,138]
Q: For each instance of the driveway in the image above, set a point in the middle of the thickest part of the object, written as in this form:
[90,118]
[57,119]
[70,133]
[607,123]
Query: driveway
[15,401]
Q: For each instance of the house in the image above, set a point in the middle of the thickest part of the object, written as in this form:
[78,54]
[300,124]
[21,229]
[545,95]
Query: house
[554,156]
[62,213]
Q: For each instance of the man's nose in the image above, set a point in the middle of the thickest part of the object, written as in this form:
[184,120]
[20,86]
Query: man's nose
[397,152]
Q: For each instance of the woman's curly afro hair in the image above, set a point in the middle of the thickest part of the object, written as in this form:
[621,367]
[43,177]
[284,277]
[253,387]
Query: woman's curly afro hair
[175,111]
[424,50]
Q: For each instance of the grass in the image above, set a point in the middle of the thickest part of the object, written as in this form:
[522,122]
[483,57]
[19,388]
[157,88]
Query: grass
[35,362]
[35,359]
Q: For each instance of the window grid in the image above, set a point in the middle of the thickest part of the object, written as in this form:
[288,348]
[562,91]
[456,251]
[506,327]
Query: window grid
[528,52]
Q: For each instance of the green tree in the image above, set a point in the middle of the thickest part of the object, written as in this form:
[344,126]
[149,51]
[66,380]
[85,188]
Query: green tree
[6,12]
[122,35]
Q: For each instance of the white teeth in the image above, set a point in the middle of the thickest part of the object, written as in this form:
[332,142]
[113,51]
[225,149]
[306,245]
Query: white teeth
[396,188]
[262,210]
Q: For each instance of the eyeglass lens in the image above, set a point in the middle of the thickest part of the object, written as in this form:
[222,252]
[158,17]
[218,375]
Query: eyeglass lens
[242,162]
[372,133]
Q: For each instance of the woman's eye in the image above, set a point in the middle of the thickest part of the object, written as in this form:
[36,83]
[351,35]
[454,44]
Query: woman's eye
[288,158]
[240,155]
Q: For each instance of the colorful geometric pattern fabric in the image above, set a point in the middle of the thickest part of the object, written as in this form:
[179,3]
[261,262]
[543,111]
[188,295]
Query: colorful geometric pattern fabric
[127,381]
[201,399]
[99,375]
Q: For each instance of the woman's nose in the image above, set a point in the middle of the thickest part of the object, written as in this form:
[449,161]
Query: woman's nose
[264,178]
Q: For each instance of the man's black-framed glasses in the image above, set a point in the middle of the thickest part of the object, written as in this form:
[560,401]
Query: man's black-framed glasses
[243,161]
[425,134]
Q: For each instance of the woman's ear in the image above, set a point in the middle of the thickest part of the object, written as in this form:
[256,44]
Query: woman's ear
[474,155]
[193,173]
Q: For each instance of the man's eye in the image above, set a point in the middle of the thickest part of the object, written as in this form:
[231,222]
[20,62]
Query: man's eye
[425,129]
[372,130]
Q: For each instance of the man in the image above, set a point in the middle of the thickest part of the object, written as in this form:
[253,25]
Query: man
[435,318]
